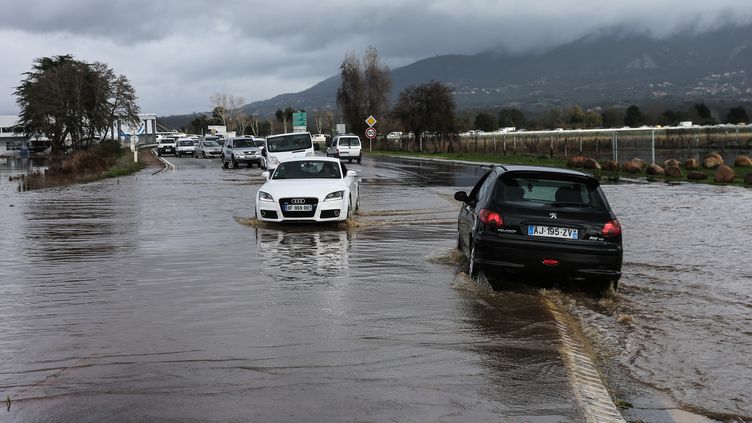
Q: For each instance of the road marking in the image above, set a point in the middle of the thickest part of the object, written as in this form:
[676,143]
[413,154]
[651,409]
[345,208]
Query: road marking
[587,384]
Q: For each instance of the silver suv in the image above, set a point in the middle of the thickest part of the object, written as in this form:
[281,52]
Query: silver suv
[166,145]
[243,150]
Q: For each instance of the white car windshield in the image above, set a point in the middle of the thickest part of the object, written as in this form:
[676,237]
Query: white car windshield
[308,170]
[211,144]
[289,142]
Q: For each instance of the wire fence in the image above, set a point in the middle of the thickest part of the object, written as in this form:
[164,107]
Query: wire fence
[654,145]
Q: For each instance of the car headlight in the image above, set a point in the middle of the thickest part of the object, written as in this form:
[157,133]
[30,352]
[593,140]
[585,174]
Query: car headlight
[265,196]
[336,195]
[273,160]
[309,154]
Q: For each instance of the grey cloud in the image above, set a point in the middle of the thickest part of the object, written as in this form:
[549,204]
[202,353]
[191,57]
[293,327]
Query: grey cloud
[177,52]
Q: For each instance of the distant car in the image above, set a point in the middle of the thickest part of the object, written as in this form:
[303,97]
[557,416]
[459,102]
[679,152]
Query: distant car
[185,147]
[538,221]
[166,145]
[308,189]
[395,135]
[208,148]
[291,145]
[239,150]
[346,147]
[319,139]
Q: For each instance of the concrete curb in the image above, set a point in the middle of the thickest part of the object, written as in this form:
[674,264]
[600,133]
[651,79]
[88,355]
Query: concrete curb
[164,161]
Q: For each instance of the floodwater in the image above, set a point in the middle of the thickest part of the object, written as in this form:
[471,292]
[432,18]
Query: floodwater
[158,298]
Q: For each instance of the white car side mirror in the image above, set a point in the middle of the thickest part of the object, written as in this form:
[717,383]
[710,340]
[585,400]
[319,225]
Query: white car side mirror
[265,174]
[352,173]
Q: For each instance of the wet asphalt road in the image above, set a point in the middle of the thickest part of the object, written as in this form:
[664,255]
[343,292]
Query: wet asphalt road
[158,298]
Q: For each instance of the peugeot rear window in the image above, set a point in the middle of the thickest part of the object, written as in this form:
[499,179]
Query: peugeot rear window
[185,142]
[536,191]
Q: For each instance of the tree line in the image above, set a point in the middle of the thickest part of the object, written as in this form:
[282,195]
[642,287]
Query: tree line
[429,108]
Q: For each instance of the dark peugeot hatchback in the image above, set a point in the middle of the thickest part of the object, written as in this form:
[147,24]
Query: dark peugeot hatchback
[538,221]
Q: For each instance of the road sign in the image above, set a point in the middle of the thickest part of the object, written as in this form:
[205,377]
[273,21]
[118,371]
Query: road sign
[371,133]
[299,119]
[371,120]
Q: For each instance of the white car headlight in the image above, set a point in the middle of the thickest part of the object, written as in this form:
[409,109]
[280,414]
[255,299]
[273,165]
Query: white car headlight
[336,195]
[273,160]
[309,154]
[265,196]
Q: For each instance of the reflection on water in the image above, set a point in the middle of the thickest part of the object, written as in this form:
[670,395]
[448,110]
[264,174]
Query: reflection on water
[61,227]
[145,299]
[298,252]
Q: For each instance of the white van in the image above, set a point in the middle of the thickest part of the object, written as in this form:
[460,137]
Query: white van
[286,146]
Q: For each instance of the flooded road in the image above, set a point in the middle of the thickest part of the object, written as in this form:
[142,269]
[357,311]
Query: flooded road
[158,298]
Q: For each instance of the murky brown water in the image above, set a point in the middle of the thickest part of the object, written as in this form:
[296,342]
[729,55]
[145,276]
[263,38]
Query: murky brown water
[152,298]
[157,298]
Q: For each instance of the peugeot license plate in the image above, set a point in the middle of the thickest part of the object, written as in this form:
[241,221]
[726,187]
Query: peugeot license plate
[298,207]
[552,231]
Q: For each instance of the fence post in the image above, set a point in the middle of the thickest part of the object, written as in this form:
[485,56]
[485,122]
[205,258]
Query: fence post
[552,146]
[597,148]
[652,145]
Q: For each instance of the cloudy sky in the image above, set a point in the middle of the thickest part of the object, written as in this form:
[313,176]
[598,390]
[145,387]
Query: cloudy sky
[178,52]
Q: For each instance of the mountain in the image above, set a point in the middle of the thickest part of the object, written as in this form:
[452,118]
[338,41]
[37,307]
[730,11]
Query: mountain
[613,67]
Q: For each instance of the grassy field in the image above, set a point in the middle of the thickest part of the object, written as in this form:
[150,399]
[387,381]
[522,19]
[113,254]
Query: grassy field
[542,160]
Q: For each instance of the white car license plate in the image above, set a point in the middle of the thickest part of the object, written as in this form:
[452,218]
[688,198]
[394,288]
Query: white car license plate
[298,207]
[552,232]
[344,153]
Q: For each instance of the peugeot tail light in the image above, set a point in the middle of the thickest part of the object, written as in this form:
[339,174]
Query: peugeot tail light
[611,229]
[490,217]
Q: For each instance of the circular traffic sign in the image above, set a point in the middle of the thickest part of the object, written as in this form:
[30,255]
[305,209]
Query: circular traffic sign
[371,133]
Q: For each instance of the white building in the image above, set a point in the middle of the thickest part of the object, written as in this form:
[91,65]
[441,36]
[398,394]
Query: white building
[11,142]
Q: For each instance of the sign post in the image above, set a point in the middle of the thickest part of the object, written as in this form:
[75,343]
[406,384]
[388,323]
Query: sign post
[299,123]
[134,141]
[371,131]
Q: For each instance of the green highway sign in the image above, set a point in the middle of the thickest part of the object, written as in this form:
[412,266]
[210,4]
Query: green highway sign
[299,119]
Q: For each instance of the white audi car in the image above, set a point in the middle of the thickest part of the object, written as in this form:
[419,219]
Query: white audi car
[312,189]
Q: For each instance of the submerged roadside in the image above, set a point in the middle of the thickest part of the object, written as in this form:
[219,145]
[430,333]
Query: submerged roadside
[633,169]
[106,160]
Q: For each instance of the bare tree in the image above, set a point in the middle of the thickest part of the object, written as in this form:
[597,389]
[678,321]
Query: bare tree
[363,90]
[378,83]
[283,116]
[228,108]
[318,120]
